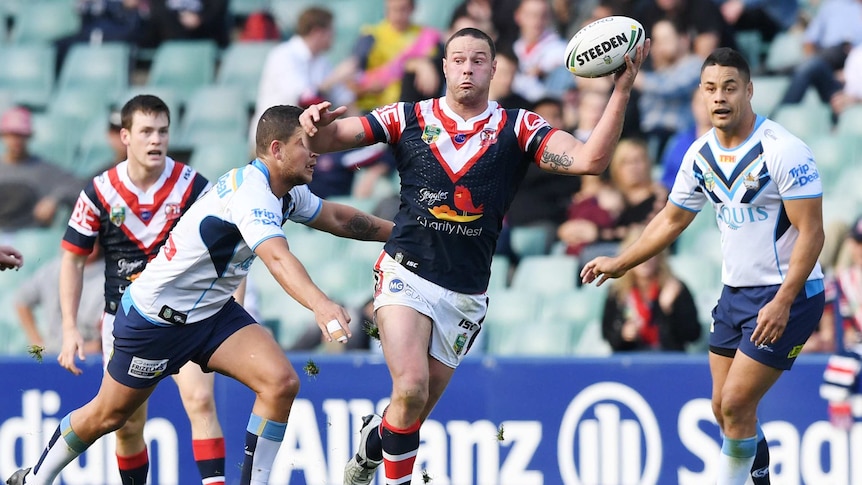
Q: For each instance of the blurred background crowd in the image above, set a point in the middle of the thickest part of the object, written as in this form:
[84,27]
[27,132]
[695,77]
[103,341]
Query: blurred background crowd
[66,66]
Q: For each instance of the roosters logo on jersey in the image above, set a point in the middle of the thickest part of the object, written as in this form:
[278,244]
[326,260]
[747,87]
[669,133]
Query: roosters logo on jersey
[172,211]
[488,136]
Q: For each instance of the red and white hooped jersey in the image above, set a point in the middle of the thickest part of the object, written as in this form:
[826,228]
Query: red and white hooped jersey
[131,224]
[458,178]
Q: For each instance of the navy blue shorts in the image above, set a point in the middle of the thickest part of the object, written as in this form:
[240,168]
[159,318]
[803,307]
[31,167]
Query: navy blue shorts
[145,353]
[735,318]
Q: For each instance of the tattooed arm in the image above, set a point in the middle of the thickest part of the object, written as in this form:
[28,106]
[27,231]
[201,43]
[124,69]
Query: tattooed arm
[565,154]
[350,222]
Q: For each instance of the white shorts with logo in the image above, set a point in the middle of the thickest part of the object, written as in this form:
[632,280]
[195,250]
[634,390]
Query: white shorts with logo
[456,317]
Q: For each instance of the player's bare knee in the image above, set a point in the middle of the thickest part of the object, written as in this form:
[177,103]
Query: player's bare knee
[282,387]
[199,401]
[413,397]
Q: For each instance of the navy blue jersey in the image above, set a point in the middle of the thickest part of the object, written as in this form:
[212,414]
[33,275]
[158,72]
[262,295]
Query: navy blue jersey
[458,178]
[131,224]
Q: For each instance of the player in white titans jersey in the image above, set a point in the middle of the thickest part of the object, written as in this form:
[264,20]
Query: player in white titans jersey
[180,308]
[461,159]
[129,210]
[767,195]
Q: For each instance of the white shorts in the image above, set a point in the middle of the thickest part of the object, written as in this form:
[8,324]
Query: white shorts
[107,338]
[456,317]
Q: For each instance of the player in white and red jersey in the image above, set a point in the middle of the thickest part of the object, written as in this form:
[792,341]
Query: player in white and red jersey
[461,159]
[766,191]
[180,308]
[129,210]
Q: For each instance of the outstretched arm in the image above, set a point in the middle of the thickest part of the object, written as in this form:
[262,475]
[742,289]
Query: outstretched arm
[661,231]
[294,279]
[346,221]
[567,155]
[324,132]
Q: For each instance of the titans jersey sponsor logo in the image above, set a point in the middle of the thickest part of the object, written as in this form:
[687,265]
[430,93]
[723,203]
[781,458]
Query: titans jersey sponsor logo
[265,217]
[736,217]
[146,368]
[804,174]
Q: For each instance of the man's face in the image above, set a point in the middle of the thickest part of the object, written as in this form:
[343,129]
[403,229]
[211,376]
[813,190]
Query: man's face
[147,139]
[16,147]
[398,13]
[727,96]
[468,67]
[297,161]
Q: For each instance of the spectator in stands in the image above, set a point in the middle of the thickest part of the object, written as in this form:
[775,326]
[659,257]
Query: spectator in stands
[769,17]
[829,37]
[188,20]
[41,291]
[479,12]
[105,21]
[501,84]
[297,72]
[851,93]
[631,174]
[10,258]
[32,188]
[664,90]
[543,197]
[841,325]
[649,308]
[585,106]
[351,172]
[701,19]
[375,68]
[592,216]
[678,144]
[540,51]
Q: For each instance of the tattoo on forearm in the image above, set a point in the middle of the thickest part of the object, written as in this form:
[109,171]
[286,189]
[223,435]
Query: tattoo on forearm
[361,227]
[360,136]
[556,160]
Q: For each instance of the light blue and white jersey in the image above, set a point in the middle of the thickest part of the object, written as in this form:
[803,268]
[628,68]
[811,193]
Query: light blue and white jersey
[747,185]
[211,248]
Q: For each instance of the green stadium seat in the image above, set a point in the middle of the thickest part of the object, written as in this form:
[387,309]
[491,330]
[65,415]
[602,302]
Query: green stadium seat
[768,92]
[547,275]
[286,13]
[805,120]
[38,246]
[833,153]
[531,240]
[242,8]
[28,72]
[55,138]
[291,319]
[213,114]
[540,338]
[750,44]
[346,281]
[591,343]
[241,65]
[499,273]
[512,307]
[183,66]
[435,13]
[212,160]
[850,123]
[103,68]
[44,22]
[785,52]
[80,106]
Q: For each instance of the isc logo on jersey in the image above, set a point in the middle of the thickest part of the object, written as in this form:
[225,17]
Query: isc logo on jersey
[603,416]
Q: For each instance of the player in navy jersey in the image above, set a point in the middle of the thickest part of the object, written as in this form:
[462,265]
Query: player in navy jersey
[767,195]
[128,210]
[461,159]
[180,308]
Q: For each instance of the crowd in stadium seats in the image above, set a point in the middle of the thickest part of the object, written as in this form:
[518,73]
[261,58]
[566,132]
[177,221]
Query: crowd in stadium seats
[66,65]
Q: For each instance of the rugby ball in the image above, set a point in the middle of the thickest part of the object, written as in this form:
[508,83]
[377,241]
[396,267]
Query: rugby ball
[599,49]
